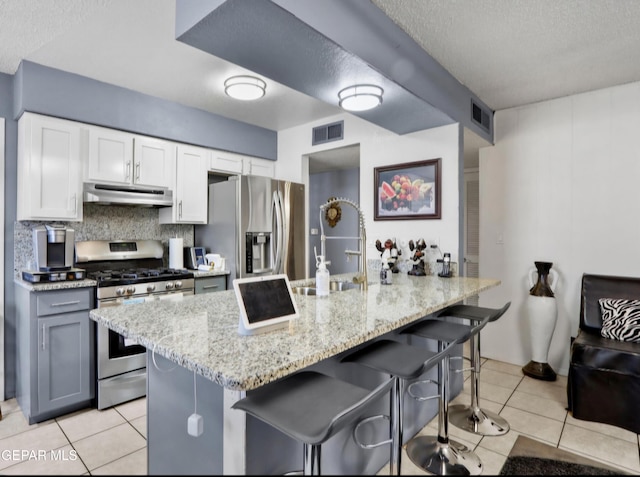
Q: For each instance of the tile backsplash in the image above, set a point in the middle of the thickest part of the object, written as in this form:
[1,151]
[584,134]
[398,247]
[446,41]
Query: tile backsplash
[104,222]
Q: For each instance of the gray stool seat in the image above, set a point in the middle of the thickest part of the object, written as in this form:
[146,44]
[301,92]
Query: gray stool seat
[398,359]
[473,312]
[405,362]
[439,454]
[310,407]
[473,418]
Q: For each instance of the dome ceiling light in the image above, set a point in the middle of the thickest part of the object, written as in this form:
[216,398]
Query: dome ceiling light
[360,97]
[244,87]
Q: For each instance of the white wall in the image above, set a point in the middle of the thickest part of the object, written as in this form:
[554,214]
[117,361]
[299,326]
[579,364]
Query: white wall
[561,184]
[379,147]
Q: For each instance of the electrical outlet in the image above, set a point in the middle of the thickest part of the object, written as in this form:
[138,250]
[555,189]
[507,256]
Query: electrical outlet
[195,425]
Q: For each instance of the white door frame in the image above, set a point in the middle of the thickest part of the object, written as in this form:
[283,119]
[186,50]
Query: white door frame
[2,142]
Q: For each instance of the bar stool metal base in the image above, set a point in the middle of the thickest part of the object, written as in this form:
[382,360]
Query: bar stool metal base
[478,421]
[452,458]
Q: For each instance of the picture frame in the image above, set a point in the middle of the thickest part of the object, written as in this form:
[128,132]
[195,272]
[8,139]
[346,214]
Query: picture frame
[408,191]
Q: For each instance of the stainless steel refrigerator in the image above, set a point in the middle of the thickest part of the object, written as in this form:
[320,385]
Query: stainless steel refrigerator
[258,225]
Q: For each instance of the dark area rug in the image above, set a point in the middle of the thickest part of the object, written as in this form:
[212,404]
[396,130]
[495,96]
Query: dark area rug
[522,465]
[532,457]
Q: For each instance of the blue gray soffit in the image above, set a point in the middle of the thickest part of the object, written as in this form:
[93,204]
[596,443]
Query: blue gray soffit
[44,90]
[274,39]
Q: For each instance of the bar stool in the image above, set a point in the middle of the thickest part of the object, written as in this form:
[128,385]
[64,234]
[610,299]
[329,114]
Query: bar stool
[405,363]
[473,418]
[310,407]
[439,454]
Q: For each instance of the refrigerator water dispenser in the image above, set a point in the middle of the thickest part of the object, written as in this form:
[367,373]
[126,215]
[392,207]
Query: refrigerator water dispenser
[258,251]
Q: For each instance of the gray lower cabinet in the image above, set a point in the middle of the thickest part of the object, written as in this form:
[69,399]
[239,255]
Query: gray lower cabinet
[56,363]
[211,284]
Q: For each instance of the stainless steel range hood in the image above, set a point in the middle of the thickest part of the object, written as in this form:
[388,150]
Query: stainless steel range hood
[141,196]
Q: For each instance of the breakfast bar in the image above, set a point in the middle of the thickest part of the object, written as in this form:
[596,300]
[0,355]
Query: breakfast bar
[198,363]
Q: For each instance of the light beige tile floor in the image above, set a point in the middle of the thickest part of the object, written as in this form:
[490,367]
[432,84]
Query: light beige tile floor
[113,441]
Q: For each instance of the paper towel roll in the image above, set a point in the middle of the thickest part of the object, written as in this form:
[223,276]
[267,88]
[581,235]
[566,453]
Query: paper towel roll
[176,253]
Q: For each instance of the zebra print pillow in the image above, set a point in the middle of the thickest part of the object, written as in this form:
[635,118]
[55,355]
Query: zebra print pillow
[620,319]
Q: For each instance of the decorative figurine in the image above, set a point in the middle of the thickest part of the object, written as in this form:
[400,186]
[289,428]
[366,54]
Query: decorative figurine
[418,258]
[389,253]
[333,214]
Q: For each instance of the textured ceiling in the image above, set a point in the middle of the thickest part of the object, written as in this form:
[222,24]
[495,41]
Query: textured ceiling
[517,52]
[27,25]
[131,43]
[508,52]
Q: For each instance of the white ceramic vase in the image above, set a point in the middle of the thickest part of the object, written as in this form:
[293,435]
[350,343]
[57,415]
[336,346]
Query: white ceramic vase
[542,312]
[542,315]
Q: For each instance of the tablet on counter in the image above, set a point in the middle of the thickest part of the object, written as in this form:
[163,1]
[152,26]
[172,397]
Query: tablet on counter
[266,303]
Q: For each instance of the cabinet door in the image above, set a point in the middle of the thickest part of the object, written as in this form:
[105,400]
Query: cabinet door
[64,364]
[110,156]
[49,169]
[226,162]
[190,188]
[191,185]
[154,162]
[259,167]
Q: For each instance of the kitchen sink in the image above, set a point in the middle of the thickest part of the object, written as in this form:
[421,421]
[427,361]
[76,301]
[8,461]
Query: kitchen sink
[342,286]
[304,290]
[333,287]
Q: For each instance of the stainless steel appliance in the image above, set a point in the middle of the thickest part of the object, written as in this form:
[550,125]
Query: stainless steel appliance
[143,196]
[53,247]
[127,272]
[258,225]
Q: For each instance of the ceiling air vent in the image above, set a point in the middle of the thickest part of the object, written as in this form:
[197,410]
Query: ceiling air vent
[327,133]
[480,116]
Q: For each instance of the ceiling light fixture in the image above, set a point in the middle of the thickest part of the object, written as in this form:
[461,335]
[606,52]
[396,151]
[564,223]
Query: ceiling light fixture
[360,97]
[245,88]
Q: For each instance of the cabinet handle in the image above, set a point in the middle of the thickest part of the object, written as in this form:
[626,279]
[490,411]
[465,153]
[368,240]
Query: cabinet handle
[137,171]
[66,303]
[180,209]
[43,335]
[206,287]
[74,198]
[128,173]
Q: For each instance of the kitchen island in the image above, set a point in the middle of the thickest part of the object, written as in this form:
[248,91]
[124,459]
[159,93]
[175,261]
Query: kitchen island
[193,342]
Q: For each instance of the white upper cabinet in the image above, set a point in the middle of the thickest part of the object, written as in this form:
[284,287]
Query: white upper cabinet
[222,161]
[117,157]
[49,168]
[154,161]
[255,166]
[190,188]
[110,156]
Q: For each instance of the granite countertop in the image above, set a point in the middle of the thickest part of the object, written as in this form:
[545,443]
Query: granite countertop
[67,284]
[200,332]
[61,285]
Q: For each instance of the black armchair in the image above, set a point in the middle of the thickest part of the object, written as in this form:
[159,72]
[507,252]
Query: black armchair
[604,374]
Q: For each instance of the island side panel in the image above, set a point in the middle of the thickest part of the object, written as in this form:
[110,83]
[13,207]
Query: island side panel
[236,444]
[170,402]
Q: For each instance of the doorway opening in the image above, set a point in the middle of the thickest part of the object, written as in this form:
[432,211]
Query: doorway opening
[334,173]
[471,199]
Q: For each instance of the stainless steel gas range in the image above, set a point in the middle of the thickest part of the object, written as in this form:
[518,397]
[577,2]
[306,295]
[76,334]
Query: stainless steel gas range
[127,272]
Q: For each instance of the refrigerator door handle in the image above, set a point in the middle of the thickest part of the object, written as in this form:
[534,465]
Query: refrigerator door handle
[277,232]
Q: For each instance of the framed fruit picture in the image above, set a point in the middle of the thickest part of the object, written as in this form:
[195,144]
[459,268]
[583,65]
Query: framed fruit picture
[407,191]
